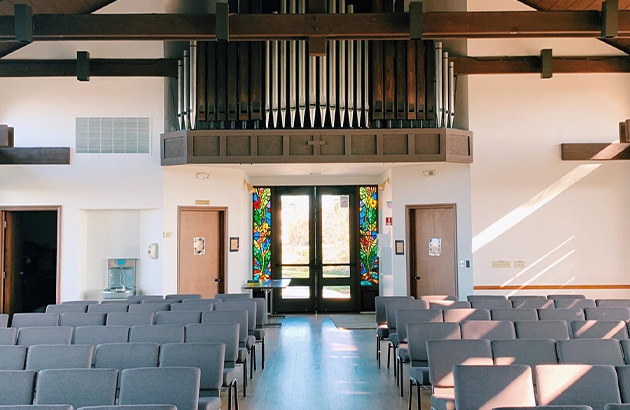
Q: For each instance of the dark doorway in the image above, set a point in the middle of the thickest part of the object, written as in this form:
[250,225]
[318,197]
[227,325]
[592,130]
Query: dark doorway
[29,254]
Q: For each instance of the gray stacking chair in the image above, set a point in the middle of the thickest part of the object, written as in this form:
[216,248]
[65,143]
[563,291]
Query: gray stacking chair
[233,316]
[530,352]
[67,308]
[543,329]
[382,331]
[514,315]
[486,329]
[12,357]
[261,320]
[487,387]
[563,384]
[573,303]
[417,336]
[404,316]
[80,302]
[459,315]
[209,358]
[129,407]
[471,298]
[533,304]
[527,297]
[613,303]
[623,375]
[38,407]
[491,304]
[449,304]
[178,386]
[117,301]
[199,307]
[95,335]
[613,406]
[590,351]
[231,296]
[568,315]
[183,317]
[599,329]
[157,333]
[77,387]
[16,387]
[607,313]
[129,318]
[34,319]
[108,308]
[122,356]
[8,335]
[220,332]
[202,300]
[75,320]
[566,296]
[180,297]
[557,407]
[430,298]
[44,335]
[142,298]
[443,355]
[41,357]
[391,306]
[250,306]
[4,320]
[625,346]
[152,307]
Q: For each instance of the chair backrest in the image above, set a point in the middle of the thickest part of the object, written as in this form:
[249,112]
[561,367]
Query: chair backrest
[607,313]
[599,329]
[625,346]
[34,319]
[449,304]
[152,307]
[199,307]
[590,351]
[182,317]
[77,387]
[95,335]
[117,301]
[82,319]
[613,303]
[16,387]
[142,298]
[514,314]
[527,297]
[564,384]
[489,387]
[566,296]
[443,355]
[241,304]
[459,315]
[232,296]
[573,303]
[12,357]
[419,333]
[182,296]
[122,356]
[8,335]
[530,352]
[129,318]
[157,333]
[178,386]
[41,357]
[533,304]
[4,320]
[108,308]
[391,306]
[470,298]
[491,304]
[228,316]
[543,329]
[208,357]
[66,308]
[404,316]
[430,298]
[379,306]
[80,302]
[44,335]
[623,375]
[149,407]
[261,312]
[40,407]
[224,333]
[568,315]
[486,329]
[200,301]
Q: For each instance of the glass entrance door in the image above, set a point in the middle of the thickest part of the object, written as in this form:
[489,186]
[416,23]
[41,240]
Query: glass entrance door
[315,246]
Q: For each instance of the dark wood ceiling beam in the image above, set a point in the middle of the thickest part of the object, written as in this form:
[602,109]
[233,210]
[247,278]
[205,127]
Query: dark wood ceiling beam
[98,68]
[35,156]
[532,65]
[256,27]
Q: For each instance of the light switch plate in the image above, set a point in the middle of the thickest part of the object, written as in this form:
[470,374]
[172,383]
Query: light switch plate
[501,264]
[519,264]
[167,234]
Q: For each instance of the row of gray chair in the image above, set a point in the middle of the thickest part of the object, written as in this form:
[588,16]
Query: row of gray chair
[69,407]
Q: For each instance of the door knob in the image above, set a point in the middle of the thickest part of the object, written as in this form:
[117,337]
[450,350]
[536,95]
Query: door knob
[417,278]
[217,280]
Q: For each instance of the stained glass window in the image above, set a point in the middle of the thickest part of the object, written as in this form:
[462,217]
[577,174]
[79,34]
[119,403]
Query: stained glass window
[368,229]
[262,233]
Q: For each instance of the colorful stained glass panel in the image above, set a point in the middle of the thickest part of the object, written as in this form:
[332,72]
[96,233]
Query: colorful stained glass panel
[262,233]
[368,229]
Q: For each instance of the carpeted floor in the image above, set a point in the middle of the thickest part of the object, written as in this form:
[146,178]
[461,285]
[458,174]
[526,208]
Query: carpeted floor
[354,321]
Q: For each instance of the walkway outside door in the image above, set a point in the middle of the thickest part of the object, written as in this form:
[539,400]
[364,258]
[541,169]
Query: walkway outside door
[315,246]
[201,251]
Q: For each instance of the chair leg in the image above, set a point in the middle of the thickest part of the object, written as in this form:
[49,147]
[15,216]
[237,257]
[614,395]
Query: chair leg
[389,349]
[378,351]
[252,365]
[230,396]
[410,394]
[263,353]
[400,376]
[377,342]
[419,400]
[245,377]
[235,394]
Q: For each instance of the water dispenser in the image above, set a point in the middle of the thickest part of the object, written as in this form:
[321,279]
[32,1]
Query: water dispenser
[121,278]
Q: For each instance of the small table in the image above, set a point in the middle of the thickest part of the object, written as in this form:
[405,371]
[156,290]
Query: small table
[268,287]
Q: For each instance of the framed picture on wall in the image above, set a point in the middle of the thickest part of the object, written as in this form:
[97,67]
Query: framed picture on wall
[234,244]
[399,247]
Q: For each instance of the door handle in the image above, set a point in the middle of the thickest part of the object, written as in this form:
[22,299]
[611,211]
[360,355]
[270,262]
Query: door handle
[217,280]
[417,278]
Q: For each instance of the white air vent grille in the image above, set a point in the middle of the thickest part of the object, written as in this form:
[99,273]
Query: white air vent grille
[109,135]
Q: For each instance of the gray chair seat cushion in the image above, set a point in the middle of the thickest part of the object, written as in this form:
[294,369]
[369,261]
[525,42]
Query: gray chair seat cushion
[420,375]
[259,334]
[443,399]
[393,337]
[209,403]
[251,340]
[229,374]
[242,355]
[382,332]
[403,352]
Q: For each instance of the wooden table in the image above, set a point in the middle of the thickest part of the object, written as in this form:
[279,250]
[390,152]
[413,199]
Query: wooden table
[268,287]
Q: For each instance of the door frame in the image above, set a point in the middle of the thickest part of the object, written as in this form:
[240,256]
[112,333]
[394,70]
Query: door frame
[411,246]
[29,208]
[223,284]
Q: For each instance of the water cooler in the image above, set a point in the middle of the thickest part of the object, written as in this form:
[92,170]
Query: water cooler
[121,278]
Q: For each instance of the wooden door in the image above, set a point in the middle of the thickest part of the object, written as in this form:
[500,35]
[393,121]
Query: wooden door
[12,282]
[201,251]
[433,250]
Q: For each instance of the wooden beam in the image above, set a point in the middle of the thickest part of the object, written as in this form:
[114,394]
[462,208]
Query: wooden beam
[98,68]
[546,63]
[610,18]
[83,66]
[223,22]
[6,136]
[624,131]
[416,20]
[23,23]
[35,156]
[317,47]
[531,65]
[256,27]
[595,152]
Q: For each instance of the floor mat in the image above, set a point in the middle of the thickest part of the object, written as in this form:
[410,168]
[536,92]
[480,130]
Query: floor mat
[354,321]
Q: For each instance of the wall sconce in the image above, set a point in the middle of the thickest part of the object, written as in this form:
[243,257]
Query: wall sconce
[383,184]
[202,175]
[249,187]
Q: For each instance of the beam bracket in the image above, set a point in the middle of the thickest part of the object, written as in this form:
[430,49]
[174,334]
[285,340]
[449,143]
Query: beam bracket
[610,18]
[223,22]
[317,46]
[416,20]
[546,63]
[23,23]
[83,66]
[624,131]
[6,136]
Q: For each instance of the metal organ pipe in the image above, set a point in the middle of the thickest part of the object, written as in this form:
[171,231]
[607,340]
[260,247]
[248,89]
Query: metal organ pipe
[445,92]
[359,61]
[180,95]
[312,89]
[301,51]
[274,82]
[332,69]
[351,68]
[283,72]
[186,89]
[322,89]
[292,73]
[366,80]
[438,84]
[451,93]
[192,113]
[268,86]
[342,71]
